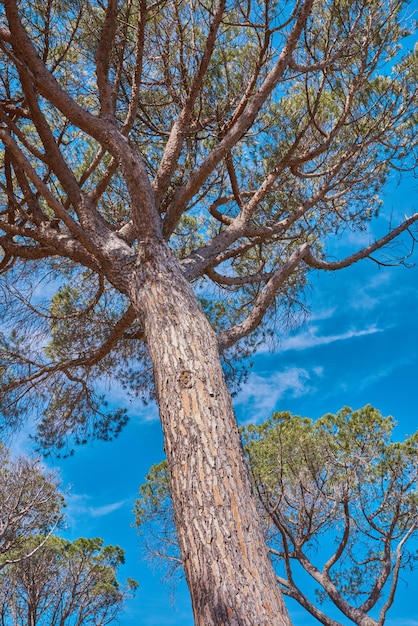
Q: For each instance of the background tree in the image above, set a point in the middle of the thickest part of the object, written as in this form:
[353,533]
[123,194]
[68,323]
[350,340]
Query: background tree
[337,496]
[176,168]
[45,579]
[63,583]
[343,482]
[30,504]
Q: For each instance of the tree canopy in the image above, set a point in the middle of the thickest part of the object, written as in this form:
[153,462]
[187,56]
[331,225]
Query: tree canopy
[63,583]
[30,503]
[262,127]
[170,173]
[46,580]
[338,500]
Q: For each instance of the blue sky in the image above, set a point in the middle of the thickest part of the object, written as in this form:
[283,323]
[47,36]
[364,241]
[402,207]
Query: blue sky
[359,346]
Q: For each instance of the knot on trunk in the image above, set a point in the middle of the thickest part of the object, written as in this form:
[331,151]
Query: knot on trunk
[185,379]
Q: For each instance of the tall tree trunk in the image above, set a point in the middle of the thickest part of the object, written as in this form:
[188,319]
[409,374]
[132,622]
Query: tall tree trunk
[228,570]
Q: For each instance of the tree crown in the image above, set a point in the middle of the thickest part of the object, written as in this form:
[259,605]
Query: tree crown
[242,135]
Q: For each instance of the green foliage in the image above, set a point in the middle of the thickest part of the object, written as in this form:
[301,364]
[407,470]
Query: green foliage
[30,502]
[63,583]
[310,162]
[154,518]
[46,580]
[341,478]
[45,337]
[153,494]
[336,495]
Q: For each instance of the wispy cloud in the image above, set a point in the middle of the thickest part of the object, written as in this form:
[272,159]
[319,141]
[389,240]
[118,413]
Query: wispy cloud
[101,511]
[325,313]
[341,246]
[367,297]
[261,394]
[384,372]
[120,398]
[78,506]
[311,338]
[359,238]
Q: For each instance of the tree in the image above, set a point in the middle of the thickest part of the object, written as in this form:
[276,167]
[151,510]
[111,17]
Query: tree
[63,584]
[337,498]
[343,479]
[30,505]
[45,579]
[176,169]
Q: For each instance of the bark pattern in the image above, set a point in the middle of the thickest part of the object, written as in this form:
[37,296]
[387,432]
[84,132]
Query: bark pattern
[229,574]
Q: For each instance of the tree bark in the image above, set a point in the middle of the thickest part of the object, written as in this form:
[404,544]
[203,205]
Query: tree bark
[228,570]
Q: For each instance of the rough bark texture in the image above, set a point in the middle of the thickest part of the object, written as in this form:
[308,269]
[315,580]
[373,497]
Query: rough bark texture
[46,119]
[228,571]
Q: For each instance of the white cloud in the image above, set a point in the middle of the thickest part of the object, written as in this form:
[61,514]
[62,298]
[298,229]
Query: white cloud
[261,394]
[78,507]
[322,314]
[44,290]
[310,338]
[363,297]
[19,442]
[357,239]
[119,397]
[101,511]
[381,278]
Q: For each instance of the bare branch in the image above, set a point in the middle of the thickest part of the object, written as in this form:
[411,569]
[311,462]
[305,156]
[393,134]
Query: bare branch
[242,124]
[234,180]
[228,337]
[52,244]
[232,281]
[5,34]
[293,592]
[361,254]
[174,144]
[103,54]
[342,544]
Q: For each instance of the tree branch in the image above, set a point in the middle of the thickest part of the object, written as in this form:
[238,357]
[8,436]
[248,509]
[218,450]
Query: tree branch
[174,144]
[320,264]
[103,54]
[232,281]
[43,189]
[90,360]
[53,156]
[395,575]
[358,616]
[261,303]
[293,592]
[342,544]
[45,82]
[242,124]
[52,244]
[136,78]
